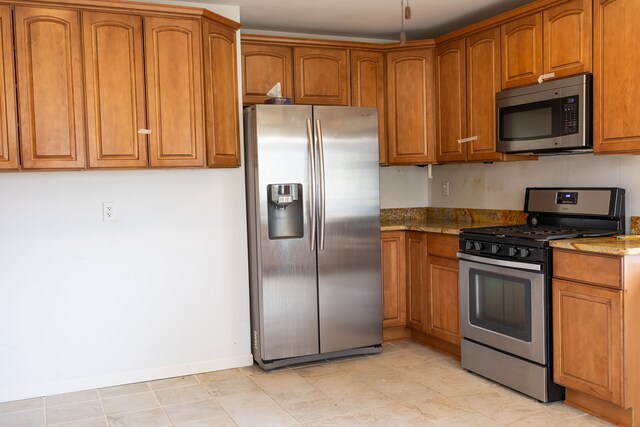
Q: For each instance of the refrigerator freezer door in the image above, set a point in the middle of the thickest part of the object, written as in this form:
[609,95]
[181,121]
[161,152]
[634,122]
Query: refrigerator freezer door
[284,270]
[349,283]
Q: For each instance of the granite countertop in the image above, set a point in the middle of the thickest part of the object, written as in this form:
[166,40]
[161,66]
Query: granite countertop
[601,245]
[446,220]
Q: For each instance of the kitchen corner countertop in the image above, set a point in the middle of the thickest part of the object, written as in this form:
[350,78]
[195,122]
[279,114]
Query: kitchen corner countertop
[446,220]
[601,245]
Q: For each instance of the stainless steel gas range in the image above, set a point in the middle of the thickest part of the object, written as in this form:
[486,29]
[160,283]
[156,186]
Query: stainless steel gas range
[505,284]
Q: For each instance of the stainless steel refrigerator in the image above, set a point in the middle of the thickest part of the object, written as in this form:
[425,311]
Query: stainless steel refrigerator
[314,232]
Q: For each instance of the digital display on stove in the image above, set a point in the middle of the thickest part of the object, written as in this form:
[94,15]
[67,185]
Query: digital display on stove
[567,198]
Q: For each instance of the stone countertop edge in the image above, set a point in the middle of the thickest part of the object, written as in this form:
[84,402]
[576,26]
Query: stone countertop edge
[443,227]
[600,245]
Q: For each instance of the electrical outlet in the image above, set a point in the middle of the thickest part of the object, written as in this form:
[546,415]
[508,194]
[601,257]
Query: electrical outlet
[109,211]
[445,188]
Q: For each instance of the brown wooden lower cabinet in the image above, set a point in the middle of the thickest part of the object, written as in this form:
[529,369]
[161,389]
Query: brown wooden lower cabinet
[420,288]
[393,279]
[416,289]
[596,343]
[442,299]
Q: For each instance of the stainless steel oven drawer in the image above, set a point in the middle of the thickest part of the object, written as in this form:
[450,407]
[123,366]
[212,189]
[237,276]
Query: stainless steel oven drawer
[518,374]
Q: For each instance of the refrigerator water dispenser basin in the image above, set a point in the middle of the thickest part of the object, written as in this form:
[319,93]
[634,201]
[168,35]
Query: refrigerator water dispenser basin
[285,211]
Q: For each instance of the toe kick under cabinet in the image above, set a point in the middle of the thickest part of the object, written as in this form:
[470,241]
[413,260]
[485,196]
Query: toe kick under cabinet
[596,320]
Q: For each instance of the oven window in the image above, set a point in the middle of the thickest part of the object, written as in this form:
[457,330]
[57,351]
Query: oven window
[500,303]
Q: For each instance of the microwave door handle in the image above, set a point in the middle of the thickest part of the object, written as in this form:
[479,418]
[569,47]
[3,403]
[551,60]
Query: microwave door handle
[470,139]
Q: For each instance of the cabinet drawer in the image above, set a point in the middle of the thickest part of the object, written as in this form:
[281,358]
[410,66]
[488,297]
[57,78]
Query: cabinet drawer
[583,267]
[443,245]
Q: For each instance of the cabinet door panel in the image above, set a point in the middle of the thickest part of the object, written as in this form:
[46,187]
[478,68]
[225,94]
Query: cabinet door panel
[522,51]
[221,96]
[262,67]
[451,101]
[443,299]
[616,87]
[483,82]
[367,90]
[411,132]
[174,90]
[321,76]
[416,255]
[50,88]
[567,38]
[394,281]
[8,118]
[114,76]
[587,336]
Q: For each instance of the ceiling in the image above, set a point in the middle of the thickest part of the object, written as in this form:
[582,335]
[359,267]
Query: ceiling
[379,19]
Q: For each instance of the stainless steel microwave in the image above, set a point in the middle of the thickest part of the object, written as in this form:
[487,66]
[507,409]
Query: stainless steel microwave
[551,117]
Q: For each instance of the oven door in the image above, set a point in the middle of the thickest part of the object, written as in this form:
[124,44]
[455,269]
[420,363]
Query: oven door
[502,305]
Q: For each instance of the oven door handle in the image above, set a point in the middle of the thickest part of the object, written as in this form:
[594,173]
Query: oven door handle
[500,262]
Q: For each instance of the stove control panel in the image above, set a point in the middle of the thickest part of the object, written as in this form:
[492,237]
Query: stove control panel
[503,250]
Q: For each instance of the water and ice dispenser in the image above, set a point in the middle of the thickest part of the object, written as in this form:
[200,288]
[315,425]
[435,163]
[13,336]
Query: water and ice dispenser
[285,211]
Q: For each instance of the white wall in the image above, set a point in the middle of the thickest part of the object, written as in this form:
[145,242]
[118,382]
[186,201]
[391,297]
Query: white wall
[502,185]
[403,187]
[163,291]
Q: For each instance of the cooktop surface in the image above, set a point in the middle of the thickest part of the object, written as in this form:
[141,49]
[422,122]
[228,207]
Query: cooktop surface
[537,232]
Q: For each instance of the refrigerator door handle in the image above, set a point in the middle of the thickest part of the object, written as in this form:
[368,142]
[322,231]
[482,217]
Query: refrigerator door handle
[312,190]
[322,184]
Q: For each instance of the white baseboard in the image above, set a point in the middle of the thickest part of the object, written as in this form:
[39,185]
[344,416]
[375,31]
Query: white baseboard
[67,386]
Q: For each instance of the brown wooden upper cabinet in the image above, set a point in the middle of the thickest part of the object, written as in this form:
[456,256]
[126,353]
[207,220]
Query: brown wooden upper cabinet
[451,101]
[411,133]
[367,90]
[616,87]
[114,77]
[555,42]
[221,95]
[8,117]
[174,91]
[468,76]
[321,76]
[262,67]
[50,88]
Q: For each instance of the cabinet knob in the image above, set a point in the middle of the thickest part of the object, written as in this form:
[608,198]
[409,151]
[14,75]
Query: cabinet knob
[543,77]
[470,139]
[144,131]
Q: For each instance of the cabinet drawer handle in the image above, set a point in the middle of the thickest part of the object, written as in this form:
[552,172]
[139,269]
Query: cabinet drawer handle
[546,76]
[470,139]
[144,131]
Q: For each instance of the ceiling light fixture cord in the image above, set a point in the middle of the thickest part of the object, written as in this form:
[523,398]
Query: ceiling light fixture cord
[405,13]
[403,36]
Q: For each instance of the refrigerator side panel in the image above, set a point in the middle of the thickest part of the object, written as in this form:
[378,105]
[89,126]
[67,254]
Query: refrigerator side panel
[349,280]
[287,285]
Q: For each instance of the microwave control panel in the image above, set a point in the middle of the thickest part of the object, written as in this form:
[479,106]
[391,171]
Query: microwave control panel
[569,107]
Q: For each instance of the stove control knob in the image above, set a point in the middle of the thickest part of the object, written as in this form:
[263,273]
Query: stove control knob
[524,252]
[477,245]
[513,251]
[495,249]
[468,245]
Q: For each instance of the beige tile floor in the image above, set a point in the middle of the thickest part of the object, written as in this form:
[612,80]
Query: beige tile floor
[407,385]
